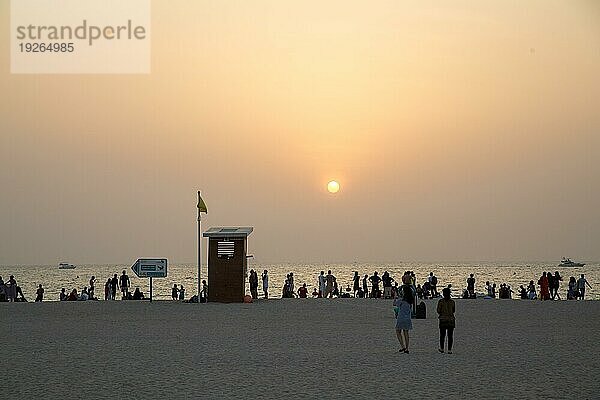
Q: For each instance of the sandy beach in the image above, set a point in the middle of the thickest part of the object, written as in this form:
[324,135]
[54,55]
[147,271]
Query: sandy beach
[302,348]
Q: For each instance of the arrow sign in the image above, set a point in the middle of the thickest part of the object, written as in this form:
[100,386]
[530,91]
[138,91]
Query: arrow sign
[150,267]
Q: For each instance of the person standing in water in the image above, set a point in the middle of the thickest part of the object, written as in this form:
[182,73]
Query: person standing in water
[265,282]
[445,310]
[403,321]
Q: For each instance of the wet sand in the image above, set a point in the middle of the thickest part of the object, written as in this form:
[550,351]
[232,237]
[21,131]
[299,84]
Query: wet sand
[301,348]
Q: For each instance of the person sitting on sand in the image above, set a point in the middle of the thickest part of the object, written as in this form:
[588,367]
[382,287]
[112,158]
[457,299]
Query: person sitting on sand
[84,296]
[303,291]
[73,295]
[22,296]
[137,294]
[315,293]
[523,292]
[403,320]
[63,295]
[445,310]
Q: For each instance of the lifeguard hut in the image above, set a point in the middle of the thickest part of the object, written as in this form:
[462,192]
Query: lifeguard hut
[227,263]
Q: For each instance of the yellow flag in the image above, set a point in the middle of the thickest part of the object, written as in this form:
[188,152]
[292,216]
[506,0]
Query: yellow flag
[201,204]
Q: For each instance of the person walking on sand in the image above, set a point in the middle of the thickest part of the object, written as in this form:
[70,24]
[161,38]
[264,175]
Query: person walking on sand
[181,293]
[40,293]
[365,285]
[471,286]
[322,284]
[329,284]
[355,282]
[114,282]
[11,288]
[375,279]
[445,310]
[107,289]
[265,282]
[556,284]
[125,284]
[581,282]
[433,280]
[403,321]
[544,288]
[92,287]
[174,292]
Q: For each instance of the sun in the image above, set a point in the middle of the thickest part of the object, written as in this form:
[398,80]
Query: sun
[333,187]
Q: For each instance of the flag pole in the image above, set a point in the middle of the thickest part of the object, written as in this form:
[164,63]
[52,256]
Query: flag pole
[199,249]
[201,209]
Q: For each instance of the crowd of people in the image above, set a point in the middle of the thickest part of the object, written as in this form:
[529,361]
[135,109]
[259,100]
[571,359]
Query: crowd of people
[375,286]
[547,288]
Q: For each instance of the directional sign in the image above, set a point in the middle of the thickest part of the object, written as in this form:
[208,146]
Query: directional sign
[150,267]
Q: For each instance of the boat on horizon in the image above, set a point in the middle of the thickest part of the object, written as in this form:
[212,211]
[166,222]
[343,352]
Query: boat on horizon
[567,262]
[64,265]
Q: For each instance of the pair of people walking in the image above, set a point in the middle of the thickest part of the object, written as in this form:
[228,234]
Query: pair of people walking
[445,310]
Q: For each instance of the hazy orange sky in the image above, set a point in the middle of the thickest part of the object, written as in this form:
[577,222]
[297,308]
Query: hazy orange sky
[458,130]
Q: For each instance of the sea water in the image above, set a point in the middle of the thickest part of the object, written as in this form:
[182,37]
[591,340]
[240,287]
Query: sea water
[514,274]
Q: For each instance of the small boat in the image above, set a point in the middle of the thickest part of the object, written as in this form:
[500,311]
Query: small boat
[567,262]
[63,265]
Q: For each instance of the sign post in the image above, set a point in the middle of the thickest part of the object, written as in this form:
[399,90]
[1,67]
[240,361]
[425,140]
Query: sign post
[150,268]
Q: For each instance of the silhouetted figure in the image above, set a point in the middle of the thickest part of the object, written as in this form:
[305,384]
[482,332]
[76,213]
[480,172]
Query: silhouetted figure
[39,293]
[114,282]
[355,283]
[581,282]
[92,289]
[303,292]
[253,281]
[445,310]
[375,279]
[544,287]
[471,286]
[265,283]
[124,283]
[556,285]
